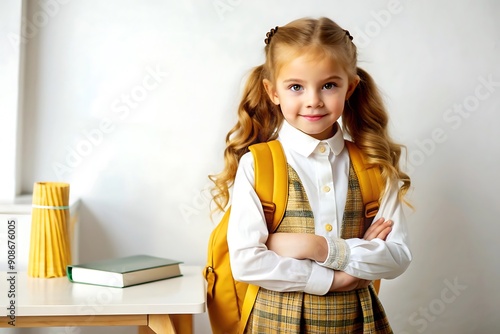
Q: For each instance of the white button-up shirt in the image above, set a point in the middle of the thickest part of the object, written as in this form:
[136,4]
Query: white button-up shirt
[323,168]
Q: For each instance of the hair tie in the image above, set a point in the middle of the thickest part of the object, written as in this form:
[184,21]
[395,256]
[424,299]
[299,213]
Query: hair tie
[348,34]
[270,34]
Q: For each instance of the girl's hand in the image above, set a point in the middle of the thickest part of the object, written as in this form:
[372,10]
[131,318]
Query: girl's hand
[379,229]
[346,282]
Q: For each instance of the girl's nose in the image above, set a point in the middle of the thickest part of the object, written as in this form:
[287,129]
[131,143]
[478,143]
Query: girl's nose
[314,100]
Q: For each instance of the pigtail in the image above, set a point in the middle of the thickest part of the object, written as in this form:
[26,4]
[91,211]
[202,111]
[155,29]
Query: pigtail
[259,120]
[365,119]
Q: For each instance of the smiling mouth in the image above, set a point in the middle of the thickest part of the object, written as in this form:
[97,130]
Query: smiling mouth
[313,117]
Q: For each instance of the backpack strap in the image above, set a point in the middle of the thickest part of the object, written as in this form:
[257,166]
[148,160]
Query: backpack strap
[370,184]
[370,180]
[271,180]
[271,185]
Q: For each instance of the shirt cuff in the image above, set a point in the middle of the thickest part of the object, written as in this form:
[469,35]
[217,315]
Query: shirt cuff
[338,254]
[320,280]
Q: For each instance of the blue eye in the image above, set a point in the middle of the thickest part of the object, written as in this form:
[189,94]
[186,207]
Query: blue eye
[296,88]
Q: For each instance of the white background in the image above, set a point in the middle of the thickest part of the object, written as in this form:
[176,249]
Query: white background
[130,102]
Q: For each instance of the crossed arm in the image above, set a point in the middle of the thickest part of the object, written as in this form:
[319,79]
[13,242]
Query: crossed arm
[315,247]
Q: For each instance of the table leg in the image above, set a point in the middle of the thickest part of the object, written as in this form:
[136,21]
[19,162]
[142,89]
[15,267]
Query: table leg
[183,323]
[145,330]
[168,324]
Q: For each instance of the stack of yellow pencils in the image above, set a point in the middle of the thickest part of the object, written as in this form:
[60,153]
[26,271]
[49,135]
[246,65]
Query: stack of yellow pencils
[50,251]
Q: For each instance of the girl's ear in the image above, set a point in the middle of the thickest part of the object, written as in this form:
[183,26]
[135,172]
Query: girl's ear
[271,92]
[352,87]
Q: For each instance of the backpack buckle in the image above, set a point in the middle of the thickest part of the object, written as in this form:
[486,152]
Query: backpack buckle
[371,209]
[269,209]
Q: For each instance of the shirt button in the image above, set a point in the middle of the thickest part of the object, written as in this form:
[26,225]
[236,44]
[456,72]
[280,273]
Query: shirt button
[326,189]
[322,149]
[328,227]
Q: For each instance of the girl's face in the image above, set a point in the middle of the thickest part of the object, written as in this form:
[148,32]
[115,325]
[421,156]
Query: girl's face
[311,92]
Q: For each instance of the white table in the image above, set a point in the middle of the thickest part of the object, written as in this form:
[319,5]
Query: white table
[158,307]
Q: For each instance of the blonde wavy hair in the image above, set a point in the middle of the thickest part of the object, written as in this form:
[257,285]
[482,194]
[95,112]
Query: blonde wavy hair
[364,119]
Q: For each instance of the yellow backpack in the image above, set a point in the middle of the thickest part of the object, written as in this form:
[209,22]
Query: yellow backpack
[230,302]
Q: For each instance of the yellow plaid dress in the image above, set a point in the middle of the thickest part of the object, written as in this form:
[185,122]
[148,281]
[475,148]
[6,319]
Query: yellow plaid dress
[358,311]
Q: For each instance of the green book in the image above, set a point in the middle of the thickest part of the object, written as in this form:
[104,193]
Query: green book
[124,271]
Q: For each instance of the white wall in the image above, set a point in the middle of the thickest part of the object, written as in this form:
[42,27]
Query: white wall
[130,101]
[11,60]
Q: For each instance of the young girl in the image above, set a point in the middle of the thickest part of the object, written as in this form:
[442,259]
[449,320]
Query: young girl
[315,272]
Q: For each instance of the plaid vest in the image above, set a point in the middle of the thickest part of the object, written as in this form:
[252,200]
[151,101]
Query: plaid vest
[357,311]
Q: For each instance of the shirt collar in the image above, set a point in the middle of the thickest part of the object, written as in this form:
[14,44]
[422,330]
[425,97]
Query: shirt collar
[304,144]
